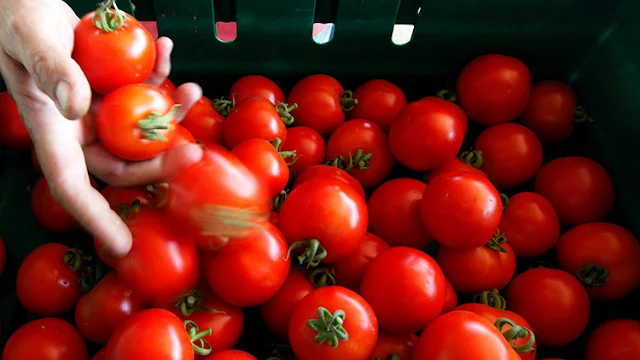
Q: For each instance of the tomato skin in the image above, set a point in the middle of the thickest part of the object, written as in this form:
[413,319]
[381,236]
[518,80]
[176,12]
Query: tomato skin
[13,133]
[183,137]
[318,100]
[256,86]
[321,171]
[379,101]
[579,188]
[511,153]
[124,196]
[427,133]
[349,271]
[453,165]
[530,224]
[231,355]
[550,111]
[100,355]
[49,213]
[451,300]
[204,122]
[167,87]
[390,344]
[494,89]
[360,324]
[553,301]
[461,210]
[3,255]
[394,213]
[608,246]
[56,340]
[409,297]
[615,340]
[130,54]
[251,118]
[265,163]
[309,146]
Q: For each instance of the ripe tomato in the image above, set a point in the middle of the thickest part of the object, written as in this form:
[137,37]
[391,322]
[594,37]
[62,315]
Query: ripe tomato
[530,224]
[49,213]
[510,154]
[333,322]
[265,162]
[326,216]
[550,111]
[579,188]
[349,271]
[124,196]
[254,117]
[605,257]
[231,355]
[183,136]
[493,89]
[167,87]
[56,340]
[309,146]
[13,133]
[615,340]
[461,210]
[427,133]
[360,147]
[256,86]
[390,345]
[254,268]
[321,171]
[409,297]
[204,123]
[453,165]
[379,101]
[553,301]
[110,303]
[451,300]
[113,54]
[394,213]
[100,355]
[3,255]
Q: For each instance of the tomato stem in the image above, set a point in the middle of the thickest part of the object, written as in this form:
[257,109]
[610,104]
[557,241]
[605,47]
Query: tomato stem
[108,17]
[347,101]
[222,106]
[473,158]
[322,277]
[158,194]
[496,242]
[313,252]
[192,302]
[391,357]
[284,110]
[203,347]
[517,332]
[154,122]
[359,161]
[581,116]
[329,327]
[449,95]
[127,213]
[505,200]
[279,200]
[593,276]
[75,259]
[92,277]
[277,144]
[491,298]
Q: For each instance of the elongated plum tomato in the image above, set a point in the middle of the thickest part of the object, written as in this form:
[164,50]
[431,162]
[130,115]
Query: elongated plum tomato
[393,346]
[333,322]
[615,340]
[231,355]
[605,257]
[255,85]
[13,133]
[253,117]
[379,101]
[265,162]
[309,146]
[136,122]
[113,53]
[49,213]
[349,271]
[453,165]
[325,216]
[321,171]
[550,111]
[493,89]
[427,133]
[204,123]
[57,340]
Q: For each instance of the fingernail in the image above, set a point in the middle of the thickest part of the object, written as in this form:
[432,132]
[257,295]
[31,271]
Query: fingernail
[62,96]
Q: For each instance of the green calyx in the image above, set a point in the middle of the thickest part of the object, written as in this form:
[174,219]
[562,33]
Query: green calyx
[473,158]
[154,122]
[76,260]
[129,212]
[449,95]
[279,200]
[277,144]
[505,200]
[580,116]
[192,302]
[516,332]
[313,252]
[284,110]
[593,276]
[359,161]
[390,357]
[92,277]
[491,298]
[108,17]
[496,242]
[347,101]
[322,277]
[329,327]
[199,344]
[222,106]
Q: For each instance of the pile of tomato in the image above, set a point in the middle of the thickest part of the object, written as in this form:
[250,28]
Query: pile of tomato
[297,209]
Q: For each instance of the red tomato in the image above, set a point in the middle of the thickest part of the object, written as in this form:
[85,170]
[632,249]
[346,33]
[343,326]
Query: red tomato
[379,101]
[453,165]
[100,355]
[530,224]
[256,86]
[349,271]
[265,162]
[231,355]
[511,154]
[3,255]
[110,303]
[461,210]
[605,257]
[34,160]
[409,297]
[254,117]
[113,56]
[277,312]
[254,268]
[553,301]
[204,123]
[183,137]
[550,111]
[333,322]
[124,196]
[13,133]
[390,345]
[309,146]
[167,87]
[56,340]
[320,171]
[427,133]
[321,102]
[49,213]
[493,89]
[360,147]
[451,300]
[327,216]
[579,188]
[394,213]
[615,340]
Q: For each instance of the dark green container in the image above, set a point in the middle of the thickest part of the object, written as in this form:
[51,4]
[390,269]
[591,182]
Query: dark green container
[594,45]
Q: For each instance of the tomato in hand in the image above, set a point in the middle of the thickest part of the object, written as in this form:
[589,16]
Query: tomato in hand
[320,171]
[251,118]
[55,339]
[453,165]
[3,255]
[124,196]
[550,111]
[265,162]
[451,300]
[379,101]
[182,137]
[335,323]
[167,87]
[13,133]
[349,271]
[579,188]
[204,123]
[494,89]
[309,146]
[231,355]
[255,86]
[389,345]
[49,213]
[427,133]
[615,340]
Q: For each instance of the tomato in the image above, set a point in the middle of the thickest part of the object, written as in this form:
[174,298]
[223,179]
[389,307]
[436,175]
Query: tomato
[13,133]
[256,86]
[349,271]
[579,188]
[390,345]
[254,268]
[265,162]
[124,196]
[553,301]
[3,255]
[409,297]
[100,355]
[56,339]
[482,341]
[451,300]
[277,312]
[254,117]
[231,355]
[320,171]
[453,165]
[113,54]
[204,123]
[615,340]
[110,303]
[309,146]
[360,147]
[183,137]
[605,257]
[494,89]
[550,111]
[427,133]
[335,323]
[510,154]
[530,224]
[326,216]
[379,101]
[167,87]
[49,213]
[394,213]
[461,210]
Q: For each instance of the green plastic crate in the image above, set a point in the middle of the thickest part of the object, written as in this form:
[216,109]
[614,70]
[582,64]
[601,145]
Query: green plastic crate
[591,44]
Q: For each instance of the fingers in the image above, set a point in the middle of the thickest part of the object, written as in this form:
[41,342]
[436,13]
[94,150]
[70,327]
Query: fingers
[164,46]
[186,95]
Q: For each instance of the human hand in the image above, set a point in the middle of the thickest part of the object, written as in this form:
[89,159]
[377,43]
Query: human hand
[36,42]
